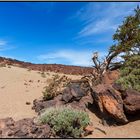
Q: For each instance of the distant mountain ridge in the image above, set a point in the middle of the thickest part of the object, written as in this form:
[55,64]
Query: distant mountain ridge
[66,69]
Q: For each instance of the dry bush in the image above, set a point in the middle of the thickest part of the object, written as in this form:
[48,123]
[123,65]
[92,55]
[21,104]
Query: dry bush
[2,65]
[9,66]
[43,75]
[55,87]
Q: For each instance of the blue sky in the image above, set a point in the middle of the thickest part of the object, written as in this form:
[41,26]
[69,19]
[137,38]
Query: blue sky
[59,32]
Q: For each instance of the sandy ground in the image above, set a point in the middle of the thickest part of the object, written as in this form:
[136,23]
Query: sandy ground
[130,130]
[16,90]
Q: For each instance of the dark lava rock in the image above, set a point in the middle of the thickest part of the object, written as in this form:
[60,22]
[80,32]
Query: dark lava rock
[28,103]
[39,105]
[67,96]
[25,128]
[74,92]
[132,101]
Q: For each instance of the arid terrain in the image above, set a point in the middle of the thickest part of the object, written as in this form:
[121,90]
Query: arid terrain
[65,69]
[20,86]
[71,75]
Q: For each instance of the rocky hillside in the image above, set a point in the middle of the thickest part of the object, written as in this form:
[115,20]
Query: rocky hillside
[66,69]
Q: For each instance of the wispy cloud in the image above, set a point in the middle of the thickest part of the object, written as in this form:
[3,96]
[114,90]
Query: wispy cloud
[5,45]
[71,57]
[98,27]
[103,17]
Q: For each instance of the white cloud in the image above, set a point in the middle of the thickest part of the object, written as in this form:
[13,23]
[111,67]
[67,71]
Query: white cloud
[98,27]
[72,57]
[103,17]
[4,45]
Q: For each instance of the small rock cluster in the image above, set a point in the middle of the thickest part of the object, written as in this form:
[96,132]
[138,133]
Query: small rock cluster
[25,128]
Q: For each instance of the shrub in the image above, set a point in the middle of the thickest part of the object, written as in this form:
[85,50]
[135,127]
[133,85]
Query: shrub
[55,87]
[29,69]
[43,75]
[56,76]
[9,66]
[2,65]
[65,121]
[48,73]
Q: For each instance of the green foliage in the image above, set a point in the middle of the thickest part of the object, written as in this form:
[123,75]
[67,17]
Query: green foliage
[130,73]
[65,121]
[127,36]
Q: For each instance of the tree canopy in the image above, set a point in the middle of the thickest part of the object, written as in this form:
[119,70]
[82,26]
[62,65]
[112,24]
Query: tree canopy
[127,47]
[128,43]
[127,36]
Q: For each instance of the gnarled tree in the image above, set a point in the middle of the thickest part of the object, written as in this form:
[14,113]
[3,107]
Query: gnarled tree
[127,48]
[127,38]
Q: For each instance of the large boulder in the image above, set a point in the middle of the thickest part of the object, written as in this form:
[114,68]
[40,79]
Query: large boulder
[77,94]
[109,102]
[74,92]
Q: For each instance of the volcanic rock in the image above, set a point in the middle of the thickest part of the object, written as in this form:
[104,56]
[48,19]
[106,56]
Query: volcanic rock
[25,128]
[110,103]
[76,95]
[132,101]
[28,103]
[39,105]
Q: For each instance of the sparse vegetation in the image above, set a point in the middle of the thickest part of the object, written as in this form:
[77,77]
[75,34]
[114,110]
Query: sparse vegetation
[55,87]
[48,73]
[2,65]
[65,121]
[29,69]
[9,66]
[43,75]
[56,76]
